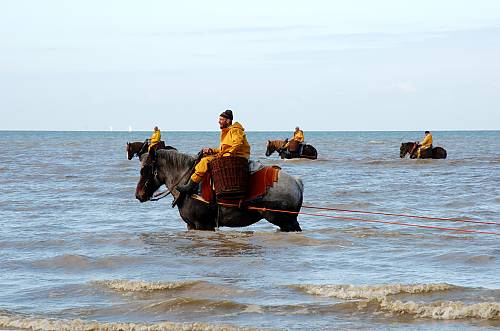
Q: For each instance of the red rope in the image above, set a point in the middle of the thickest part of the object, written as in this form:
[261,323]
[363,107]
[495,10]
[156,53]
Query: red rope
[402,215]
[362,219]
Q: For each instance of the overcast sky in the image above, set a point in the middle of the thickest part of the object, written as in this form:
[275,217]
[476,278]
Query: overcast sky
[322,65]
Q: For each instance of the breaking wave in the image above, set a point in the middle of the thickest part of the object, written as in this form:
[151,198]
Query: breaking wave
[445,310]
[142,286]
[371,292]
[380,295]
[21,322]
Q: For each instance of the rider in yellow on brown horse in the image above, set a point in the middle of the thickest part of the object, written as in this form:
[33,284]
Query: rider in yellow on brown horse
[233,142]
[154,140]
[298,136]
[425,144]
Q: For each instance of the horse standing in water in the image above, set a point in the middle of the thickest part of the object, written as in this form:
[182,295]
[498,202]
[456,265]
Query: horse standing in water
[173,168]
[308,151]
[137,148]
[429,153]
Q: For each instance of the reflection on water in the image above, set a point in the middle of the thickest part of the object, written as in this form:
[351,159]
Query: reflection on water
[204,243]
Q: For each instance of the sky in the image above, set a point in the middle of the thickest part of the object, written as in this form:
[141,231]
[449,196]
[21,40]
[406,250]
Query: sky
[321,65]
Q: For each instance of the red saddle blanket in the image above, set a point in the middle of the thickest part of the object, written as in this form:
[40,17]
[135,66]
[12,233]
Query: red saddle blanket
[258,183]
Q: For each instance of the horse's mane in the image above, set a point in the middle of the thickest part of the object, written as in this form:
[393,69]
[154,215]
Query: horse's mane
[178,160]
[277,144]
[135,144]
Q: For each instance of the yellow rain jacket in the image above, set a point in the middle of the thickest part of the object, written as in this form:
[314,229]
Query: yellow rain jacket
[427,142]
[233,142]
[155,139]
[299,136]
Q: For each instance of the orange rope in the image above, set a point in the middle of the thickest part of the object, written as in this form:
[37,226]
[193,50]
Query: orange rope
[362,219]
[402,215]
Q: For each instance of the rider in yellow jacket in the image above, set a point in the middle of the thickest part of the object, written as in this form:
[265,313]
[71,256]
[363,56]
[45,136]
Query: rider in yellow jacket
[426,143]
[233,142]
[155,138]
[298,136]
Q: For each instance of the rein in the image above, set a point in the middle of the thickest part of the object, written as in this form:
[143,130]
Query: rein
[166,193]
[413,148]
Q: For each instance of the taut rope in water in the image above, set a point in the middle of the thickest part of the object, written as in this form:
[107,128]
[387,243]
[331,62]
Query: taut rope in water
[402,215]
[362,219]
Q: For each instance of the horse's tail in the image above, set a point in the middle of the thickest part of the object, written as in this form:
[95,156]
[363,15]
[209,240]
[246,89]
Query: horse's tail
[300,184]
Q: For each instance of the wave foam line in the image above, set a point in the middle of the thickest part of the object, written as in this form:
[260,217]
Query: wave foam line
[45,324]
[371,292]
[444,310]
[142,286]
[380,295]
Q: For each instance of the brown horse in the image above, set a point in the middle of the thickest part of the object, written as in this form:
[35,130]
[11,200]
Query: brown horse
[308,151]
[429,153]
[137,148]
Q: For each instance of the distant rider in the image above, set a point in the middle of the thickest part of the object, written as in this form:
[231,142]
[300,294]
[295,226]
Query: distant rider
[298,136]
[154,141]
[425,144]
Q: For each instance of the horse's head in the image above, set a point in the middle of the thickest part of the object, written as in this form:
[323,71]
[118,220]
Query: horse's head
[148,182]
[407,148]
[403,150]
[130,153]
[270,149]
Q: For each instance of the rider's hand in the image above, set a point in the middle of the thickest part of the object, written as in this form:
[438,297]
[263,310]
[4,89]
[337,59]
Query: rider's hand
[207,150]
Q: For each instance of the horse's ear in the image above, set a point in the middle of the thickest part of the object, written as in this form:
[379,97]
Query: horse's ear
[269,141]
[402,144]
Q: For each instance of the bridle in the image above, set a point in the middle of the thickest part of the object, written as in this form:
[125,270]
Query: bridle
[274,145]
[161,195]
[413,148]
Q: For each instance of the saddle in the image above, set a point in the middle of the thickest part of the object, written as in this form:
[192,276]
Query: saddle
[230,181]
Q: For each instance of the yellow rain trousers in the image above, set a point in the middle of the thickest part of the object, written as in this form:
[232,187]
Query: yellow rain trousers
[426,143]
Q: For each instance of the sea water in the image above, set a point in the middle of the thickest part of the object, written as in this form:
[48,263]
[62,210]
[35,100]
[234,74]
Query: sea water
[79,252]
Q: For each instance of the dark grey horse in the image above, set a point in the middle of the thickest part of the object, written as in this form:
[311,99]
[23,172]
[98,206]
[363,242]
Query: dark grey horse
[172,168]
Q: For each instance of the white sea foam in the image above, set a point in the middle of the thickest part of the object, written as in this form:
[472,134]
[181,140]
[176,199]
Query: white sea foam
[371,292]
[17,321]
[445,310]
[142,286]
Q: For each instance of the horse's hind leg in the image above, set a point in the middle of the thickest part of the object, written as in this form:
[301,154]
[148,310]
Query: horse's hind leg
[286,222]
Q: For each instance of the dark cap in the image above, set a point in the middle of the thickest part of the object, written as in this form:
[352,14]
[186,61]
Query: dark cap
[228,113]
